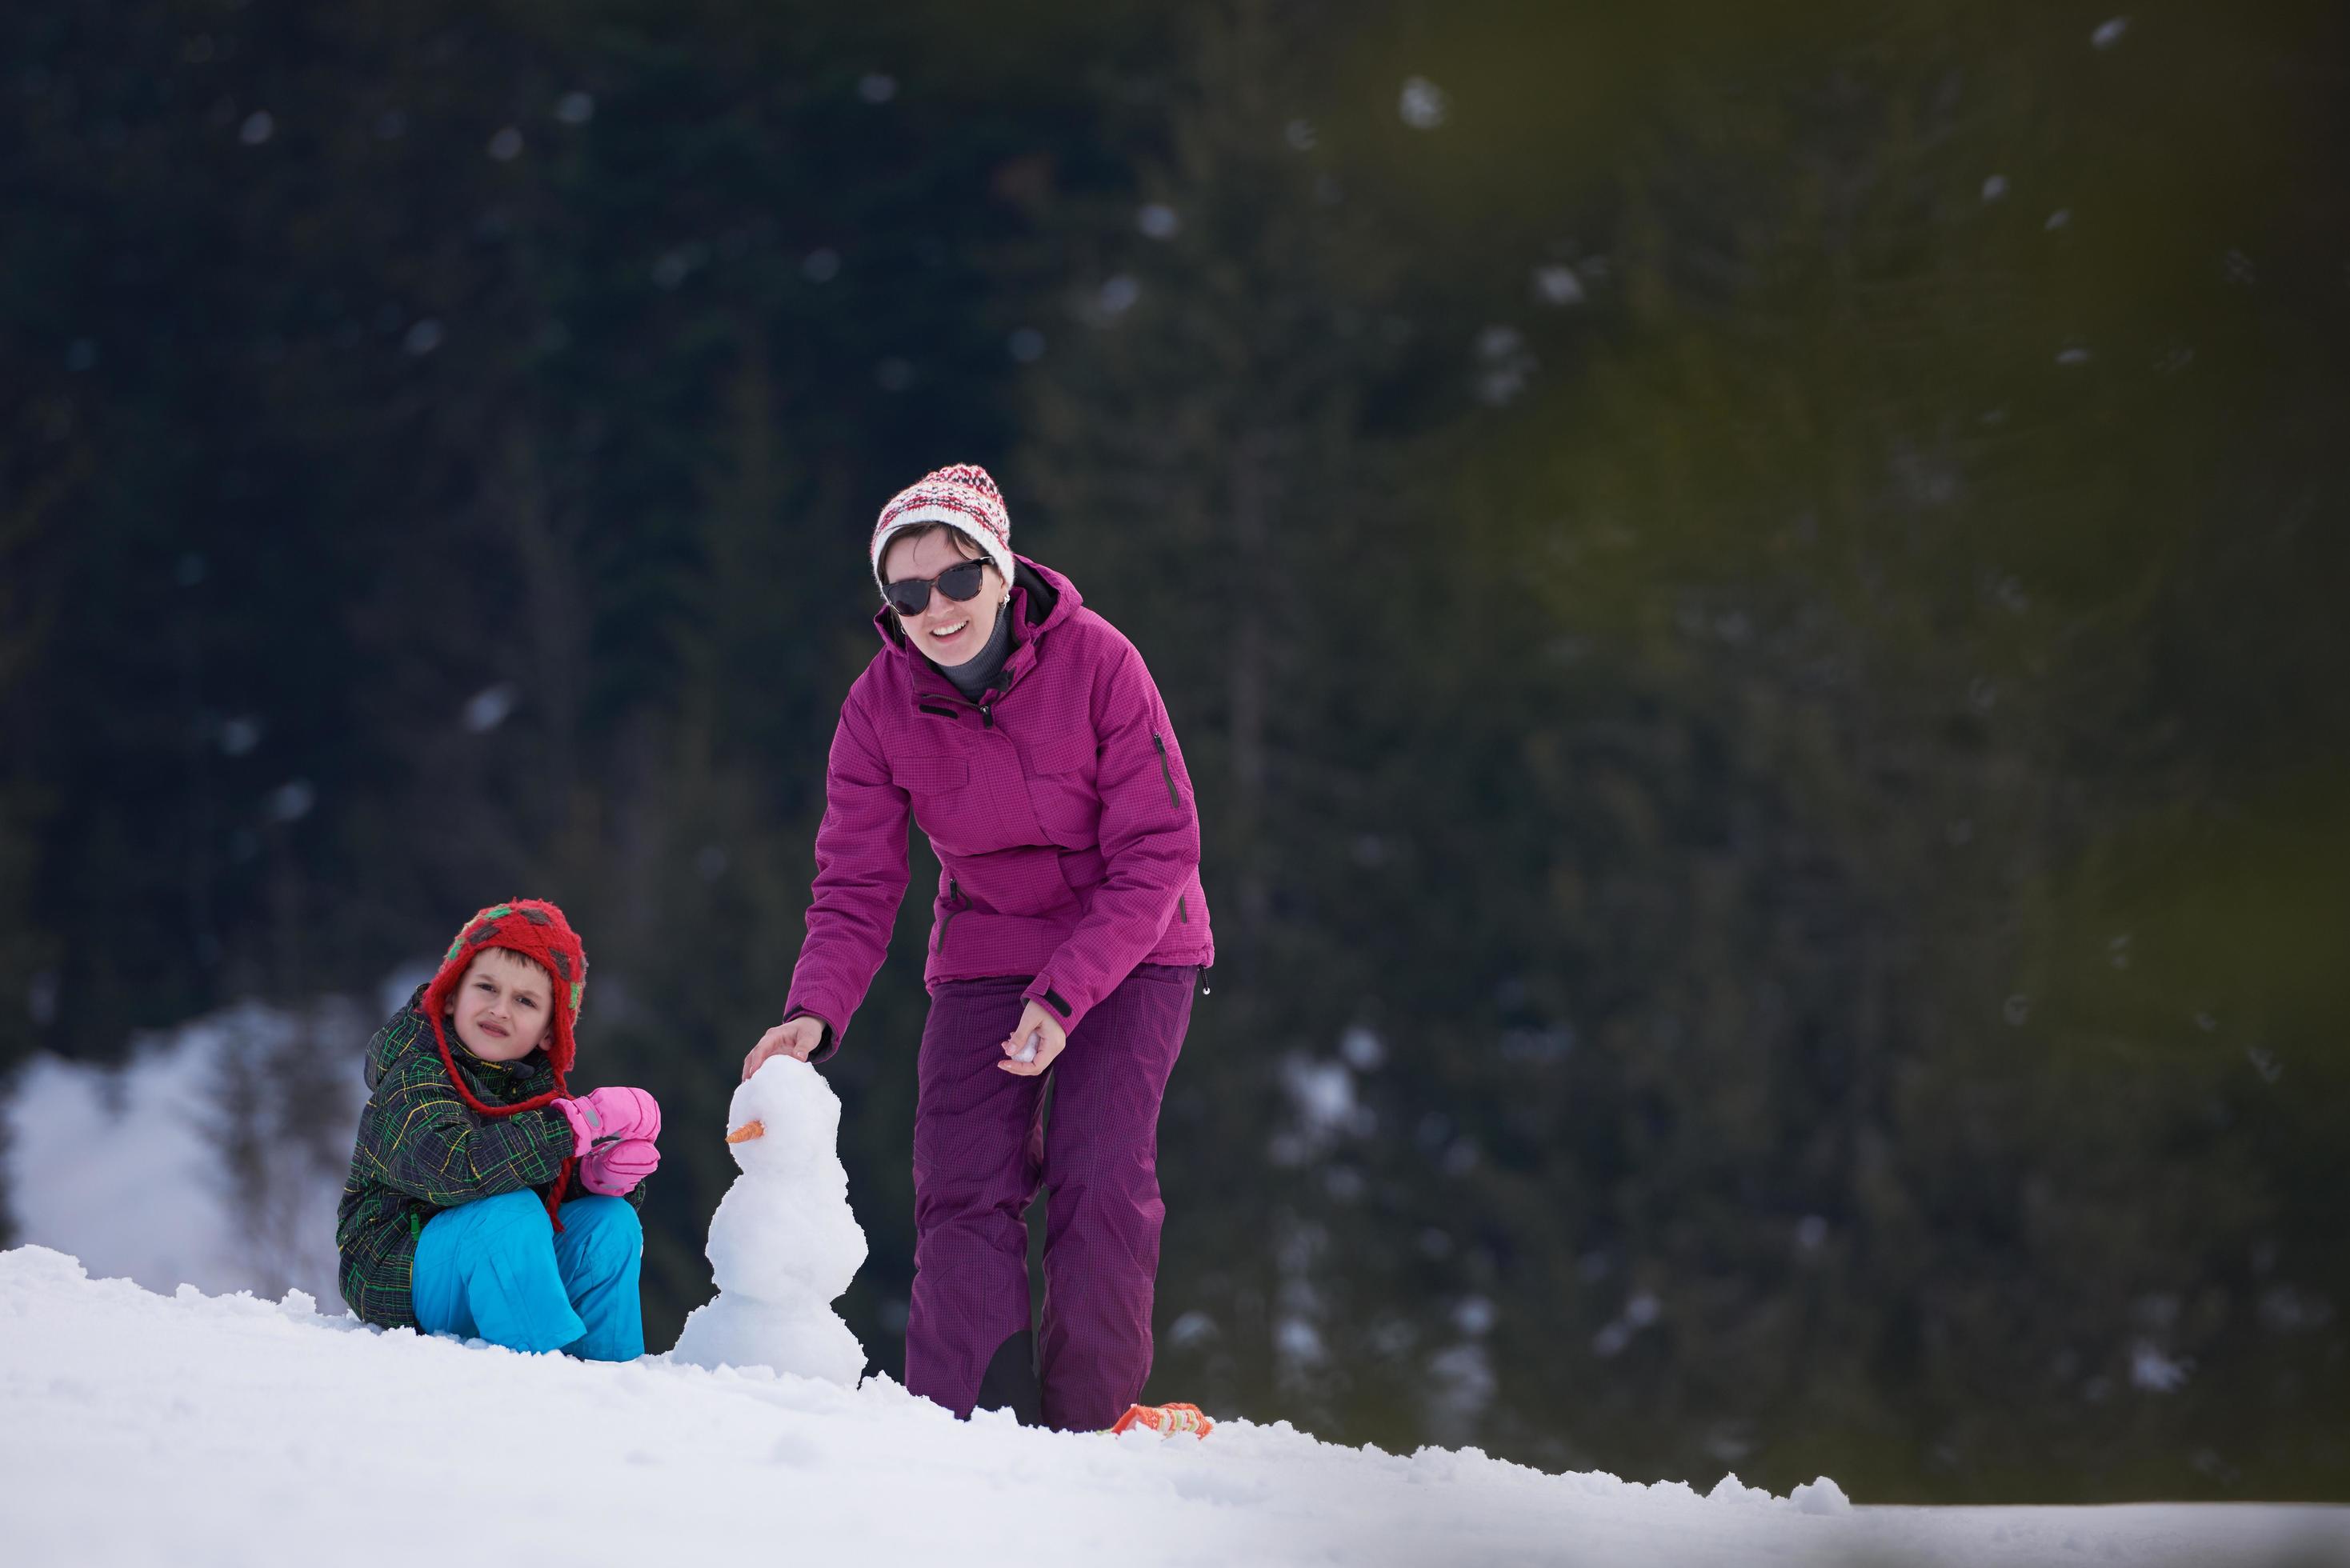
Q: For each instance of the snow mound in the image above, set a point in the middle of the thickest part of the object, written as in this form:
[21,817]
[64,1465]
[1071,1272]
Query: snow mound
[141,1428]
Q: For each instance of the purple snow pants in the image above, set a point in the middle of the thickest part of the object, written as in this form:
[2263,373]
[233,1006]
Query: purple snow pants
[978,1162]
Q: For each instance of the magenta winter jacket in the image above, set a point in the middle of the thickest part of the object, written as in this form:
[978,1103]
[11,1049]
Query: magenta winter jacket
[1067,841]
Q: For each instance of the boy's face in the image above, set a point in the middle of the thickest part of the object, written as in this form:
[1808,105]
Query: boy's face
[503,1007]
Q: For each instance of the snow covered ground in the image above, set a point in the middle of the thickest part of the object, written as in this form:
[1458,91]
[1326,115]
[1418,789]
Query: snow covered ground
[139,1429]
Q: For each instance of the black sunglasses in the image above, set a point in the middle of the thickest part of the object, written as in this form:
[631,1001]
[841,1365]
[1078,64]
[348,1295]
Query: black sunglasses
[911,595]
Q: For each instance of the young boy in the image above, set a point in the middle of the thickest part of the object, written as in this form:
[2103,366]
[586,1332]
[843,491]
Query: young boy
[454,1218]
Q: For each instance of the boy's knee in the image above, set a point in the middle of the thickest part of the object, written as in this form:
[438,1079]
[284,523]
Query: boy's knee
[609,1224]
[512,1212]
[509,1222]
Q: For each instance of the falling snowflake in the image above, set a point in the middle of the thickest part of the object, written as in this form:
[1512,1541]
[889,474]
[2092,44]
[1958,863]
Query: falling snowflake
[1557,284]
[1299,1341]
[1505,364]
[1193,1328]
[487,709]
[2155,1372]
[291,801]
[1422,104]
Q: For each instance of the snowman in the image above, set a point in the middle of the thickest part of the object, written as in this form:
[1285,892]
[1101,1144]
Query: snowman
[782,1245]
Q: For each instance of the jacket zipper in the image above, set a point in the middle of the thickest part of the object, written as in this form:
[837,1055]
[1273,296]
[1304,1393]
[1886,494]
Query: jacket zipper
[954,908]
[1183,913]
[1168,768]
[987,710]
[929,702]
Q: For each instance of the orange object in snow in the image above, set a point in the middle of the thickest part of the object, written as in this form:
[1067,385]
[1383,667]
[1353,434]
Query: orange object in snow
[1165,1419]
[752,1128]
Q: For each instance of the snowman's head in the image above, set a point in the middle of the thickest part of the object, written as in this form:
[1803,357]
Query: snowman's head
[796,1115]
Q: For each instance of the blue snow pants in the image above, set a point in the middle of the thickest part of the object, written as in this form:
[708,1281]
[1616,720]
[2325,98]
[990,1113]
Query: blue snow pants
[497,1269]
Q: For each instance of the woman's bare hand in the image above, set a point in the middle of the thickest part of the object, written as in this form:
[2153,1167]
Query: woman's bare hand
[1034,1019]
[794,1037]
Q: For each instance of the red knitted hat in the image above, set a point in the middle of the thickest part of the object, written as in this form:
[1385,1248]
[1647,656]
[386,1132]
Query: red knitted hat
[960,496]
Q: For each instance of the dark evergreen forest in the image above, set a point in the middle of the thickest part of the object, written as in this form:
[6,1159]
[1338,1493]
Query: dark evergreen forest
[1754,594]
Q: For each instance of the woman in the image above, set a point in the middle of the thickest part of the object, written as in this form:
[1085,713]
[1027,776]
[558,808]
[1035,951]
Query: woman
[1025,736]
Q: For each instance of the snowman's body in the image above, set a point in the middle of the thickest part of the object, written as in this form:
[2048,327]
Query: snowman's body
[782,1245]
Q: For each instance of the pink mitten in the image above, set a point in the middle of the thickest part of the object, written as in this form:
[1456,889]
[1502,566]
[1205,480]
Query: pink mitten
[607,1116]
[614,1169]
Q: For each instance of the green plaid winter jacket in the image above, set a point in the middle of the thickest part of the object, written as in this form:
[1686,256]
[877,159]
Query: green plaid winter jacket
[422,1149]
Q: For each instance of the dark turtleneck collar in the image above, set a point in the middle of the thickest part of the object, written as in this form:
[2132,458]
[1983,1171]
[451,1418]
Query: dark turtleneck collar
[973,677]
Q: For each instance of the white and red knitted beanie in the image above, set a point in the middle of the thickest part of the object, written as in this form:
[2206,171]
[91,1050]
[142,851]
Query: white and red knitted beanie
[962,496]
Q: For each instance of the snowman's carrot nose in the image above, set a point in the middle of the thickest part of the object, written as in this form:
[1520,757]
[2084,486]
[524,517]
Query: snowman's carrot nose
[747,1131]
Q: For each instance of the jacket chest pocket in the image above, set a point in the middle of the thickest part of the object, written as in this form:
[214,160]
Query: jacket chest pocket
[935,780]
[961,799]
[1060,774]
